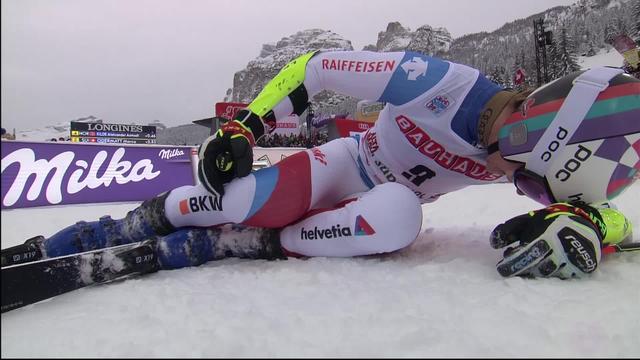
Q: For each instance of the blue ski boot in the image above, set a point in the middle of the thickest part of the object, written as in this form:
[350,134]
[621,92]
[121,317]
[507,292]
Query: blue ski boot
[193,246]
[144,222]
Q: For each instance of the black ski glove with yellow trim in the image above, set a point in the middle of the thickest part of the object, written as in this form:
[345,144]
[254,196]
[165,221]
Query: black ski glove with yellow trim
[228,154]
[561,240]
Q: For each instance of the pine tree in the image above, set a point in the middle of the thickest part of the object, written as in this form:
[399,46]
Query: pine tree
[636,23]
[529,65]
[567,58]
[553,59]
[621,26]
[580,33]
[499,76]
[591,48]
[494,75]
[610,33]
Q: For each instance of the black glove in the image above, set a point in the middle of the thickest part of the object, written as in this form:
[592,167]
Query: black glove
[225,156]
[560,240]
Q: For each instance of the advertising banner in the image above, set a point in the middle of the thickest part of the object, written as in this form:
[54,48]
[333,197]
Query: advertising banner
[287,126]
[348,127]
[112,133]
[51,173]
[368,111]
[228,110]
[628,48]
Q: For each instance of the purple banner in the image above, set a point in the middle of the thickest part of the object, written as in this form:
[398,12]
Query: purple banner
[55,173]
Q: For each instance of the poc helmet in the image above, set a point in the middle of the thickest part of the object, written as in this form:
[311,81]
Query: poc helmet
[578,136]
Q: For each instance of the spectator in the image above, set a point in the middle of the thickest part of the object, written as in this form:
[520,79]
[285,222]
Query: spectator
[6,136]
[293,140]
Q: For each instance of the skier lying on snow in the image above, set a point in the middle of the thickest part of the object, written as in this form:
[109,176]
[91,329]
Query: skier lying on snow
[444,127]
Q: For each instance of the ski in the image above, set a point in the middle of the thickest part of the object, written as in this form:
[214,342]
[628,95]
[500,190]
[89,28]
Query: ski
[622,247]
[26,252]
[31,282]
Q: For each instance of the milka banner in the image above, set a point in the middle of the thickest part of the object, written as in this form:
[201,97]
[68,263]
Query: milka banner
[42,173]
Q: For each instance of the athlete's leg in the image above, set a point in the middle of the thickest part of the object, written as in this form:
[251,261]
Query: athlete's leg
[280,194]
[384,219]
[193,246]
[275,196]
[145,221]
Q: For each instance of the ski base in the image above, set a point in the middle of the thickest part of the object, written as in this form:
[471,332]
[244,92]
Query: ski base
[31,282]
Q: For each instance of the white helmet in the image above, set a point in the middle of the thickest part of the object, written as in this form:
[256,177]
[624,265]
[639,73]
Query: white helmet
[579,137]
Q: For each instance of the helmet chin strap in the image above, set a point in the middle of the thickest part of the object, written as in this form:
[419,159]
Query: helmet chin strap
[575,107]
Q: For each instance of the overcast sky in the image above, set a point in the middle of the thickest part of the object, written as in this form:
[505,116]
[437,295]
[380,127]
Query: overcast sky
[172,60]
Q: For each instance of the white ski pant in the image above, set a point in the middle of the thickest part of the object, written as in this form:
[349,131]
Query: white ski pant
[317,197]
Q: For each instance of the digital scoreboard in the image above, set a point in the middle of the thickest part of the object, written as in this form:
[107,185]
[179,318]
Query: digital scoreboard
[112,133]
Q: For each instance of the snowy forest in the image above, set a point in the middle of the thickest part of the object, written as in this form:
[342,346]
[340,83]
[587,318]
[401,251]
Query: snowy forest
[579,30]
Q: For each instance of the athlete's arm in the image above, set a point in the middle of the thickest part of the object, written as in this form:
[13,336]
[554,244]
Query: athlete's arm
[387,77]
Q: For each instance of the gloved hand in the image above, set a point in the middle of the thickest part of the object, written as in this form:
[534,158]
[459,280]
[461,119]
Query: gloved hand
[560,240]
[225,156]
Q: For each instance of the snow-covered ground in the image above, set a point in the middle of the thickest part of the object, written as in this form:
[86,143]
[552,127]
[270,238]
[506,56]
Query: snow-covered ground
[441,297]
[607,57]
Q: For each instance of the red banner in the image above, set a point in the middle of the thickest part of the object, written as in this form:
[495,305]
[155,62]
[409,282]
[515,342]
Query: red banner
[288,125]
[623,43]
[348,127]
[228,110]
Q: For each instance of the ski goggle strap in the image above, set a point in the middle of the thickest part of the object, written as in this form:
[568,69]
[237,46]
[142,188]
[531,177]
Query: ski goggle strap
[575,107]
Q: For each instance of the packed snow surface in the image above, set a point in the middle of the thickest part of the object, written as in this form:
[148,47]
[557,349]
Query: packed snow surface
[439,297]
